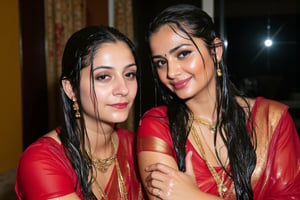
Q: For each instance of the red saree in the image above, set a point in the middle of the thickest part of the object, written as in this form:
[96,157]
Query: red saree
[127,162]
[44,171]
[277,172]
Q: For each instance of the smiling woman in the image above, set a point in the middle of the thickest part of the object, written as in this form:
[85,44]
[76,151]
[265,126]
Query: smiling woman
[207,140]
[88,157]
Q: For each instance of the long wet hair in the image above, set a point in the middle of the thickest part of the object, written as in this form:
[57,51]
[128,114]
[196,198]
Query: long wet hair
[79,53]
[231,117]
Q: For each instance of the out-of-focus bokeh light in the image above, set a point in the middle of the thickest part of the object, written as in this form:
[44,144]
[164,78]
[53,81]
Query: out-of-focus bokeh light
[268,42]
[226,43]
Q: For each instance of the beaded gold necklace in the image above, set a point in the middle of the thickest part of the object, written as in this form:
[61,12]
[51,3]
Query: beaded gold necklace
[121,183]
[219,181]
[103,164]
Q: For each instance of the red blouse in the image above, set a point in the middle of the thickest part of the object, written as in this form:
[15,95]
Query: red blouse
[44,171]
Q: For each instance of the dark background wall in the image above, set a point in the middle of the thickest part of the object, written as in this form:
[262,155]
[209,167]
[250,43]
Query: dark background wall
[34,83]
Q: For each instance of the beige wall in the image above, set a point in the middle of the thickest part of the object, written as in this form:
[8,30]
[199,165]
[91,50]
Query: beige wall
[10,86]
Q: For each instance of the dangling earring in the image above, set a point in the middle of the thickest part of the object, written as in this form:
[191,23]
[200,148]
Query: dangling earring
[76,107]
[219,71]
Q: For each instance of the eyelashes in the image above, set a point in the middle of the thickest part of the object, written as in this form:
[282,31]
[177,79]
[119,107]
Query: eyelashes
[105,77]
[161,62]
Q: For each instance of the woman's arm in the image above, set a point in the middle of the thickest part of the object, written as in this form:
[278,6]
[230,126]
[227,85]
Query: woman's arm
[44,172]
[163,180]
[156,161]
[147,158]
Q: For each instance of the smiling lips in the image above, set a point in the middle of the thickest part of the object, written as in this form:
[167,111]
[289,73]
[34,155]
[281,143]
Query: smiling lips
[180,84]
[119,105]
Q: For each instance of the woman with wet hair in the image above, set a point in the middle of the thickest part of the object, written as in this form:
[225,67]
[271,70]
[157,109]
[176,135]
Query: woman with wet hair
[207,140]
[88,157]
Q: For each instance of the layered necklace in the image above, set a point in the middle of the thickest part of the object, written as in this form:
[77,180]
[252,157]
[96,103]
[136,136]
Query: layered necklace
[102,165]
[219,181]
[210,125]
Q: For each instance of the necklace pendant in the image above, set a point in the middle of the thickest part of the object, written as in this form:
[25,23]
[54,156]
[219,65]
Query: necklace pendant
[212,129]
[103,165]
[222,189]
[103,168]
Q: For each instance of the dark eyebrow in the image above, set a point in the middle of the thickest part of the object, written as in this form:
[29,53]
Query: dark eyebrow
[130,65]
[109,67]
[101,67]
[171,50]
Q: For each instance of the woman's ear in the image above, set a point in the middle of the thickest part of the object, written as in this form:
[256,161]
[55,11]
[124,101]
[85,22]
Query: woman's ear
[68,88]
[218,48]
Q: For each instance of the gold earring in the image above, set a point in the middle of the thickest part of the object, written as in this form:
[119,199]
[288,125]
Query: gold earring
[219,71]
[76,107]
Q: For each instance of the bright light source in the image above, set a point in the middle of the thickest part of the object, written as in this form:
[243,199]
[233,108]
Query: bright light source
[268,42]
[226,43]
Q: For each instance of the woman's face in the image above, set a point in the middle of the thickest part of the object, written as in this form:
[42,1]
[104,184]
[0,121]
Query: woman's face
[115,84]
[180,66]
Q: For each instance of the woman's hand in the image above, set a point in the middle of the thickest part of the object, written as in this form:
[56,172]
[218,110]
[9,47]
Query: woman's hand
[168,183]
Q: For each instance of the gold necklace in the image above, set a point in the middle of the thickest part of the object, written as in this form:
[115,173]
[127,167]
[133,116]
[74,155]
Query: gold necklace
[103,195]
[210,125]
[121,183]
[103,164]
[221,187]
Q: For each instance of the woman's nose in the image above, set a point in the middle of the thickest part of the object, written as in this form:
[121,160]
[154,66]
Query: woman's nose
[174,69]
[121,87]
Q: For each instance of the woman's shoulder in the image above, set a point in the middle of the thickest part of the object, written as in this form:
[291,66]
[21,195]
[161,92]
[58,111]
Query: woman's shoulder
[45,159]
[154,123]
[261,103]
[267,114]
[268,106]
[158,111]
[156,114]
[43,148]
[54,135]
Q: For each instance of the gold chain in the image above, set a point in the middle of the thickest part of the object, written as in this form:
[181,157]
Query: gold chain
[121,184]
[210,125]
[103,195]
[103,164]
[221,187]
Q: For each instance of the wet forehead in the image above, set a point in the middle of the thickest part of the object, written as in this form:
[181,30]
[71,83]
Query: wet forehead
[166,39]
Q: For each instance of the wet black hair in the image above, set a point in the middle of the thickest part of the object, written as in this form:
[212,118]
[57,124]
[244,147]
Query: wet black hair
[79,53]
[232,118]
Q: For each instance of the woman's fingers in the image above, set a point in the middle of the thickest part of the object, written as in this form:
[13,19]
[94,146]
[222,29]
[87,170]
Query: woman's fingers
[157,175]
[160,180]
[159,167]
[156,192]
[168,183]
